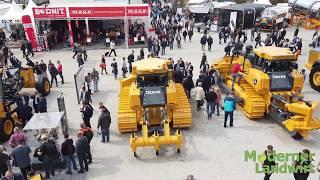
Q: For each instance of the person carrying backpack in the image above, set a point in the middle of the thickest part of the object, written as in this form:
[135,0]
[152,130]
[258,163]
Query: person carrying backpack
[87,132]
[67,151]
[87,112]
[49,151]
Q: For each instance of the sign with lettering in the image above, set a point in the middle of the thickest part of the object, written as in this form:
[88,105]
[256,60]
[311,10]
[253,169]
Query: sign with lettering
[43,13]
[134,11]
[98,12]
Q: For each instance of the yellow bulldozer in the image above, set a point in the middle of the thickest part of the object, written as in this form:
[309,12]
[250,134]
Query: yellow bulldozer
[150,102]
[313,65]
[12,80]
[270,85]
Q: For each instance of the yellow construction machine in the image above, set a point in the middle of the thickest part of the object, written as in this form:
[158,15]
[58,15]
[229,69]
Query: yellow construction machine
[12,80]
[313,65]
[150,101]
[270,85]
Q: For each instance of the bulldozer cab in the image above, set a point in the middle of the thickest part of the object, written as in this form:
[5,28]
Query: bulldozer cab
[152,80]
[10,83]
[278,64]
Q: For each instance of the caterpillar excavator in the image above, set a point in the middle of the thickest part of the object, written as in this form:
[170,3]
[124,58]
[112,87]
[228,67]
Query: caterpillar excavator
[270,85]
[12,80]
[313,65]
[150,102]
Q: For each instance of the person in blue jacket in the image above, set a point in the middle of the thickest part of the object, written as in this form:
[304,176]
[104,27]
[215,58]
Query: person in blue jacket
[229,107]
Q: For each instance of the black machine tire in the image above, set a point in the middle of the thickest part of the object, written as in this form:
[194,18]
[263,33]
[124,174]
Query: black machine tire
[135,154]
[157,152]
[43,85]
[178,150]
[297,136]
[313,71]
[6,124]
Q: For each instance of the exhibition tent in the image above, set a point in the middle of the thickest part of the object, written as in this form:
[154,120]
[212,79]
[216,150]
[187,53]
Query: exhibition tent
[14,13]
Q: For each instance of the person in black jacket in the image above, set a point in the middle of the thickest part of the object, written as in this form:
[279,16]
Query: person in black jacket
[22,98]
[258,40]
[203,63]
[29,48]
[5,51]
[190,34]
[141,54]
[87,112]
[211,97]
[49,151]
[67,152]
[114,66]
[203,42]
[42,105]
[131,60]
[85,96]
[82,147]
[184,34]
[104,122]
[35,102]
[188,85]
[303,165]
[23,49]
[53,72]
[210,42]
[269,163]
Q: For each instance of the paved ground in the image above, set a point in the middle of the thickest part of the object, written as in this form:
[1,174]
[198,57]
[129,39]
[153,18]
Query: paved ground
[210,151]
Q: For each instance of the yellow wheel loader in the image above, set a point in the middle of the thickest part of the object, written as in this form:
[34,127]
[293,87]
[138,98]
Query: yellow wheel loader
[151,103]
[12,80]
[313,65]
[270,85]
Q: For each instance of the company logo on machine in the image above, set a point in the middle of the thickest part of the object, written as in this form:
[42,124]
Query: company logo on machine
[153,92]
[279,77]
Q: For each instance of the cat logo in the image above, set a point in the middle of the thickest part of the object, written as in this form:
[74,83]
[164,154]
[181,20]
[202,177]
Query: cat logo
[255,81]
[153,92]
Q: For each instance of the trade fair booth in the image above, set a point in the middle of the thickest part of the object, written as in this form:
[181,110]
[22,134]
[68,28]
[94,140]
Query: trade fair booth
[87,24]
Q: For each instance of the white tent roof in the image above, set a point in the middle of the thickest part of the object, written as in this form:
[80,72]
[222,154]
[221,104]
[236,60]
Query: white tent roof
[28,9]
[14,13]
[267,2]
[83,3]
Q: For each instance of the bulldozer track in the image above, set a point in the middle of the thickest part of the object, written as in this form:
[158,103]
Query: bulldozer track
[127,121]
[182,113]
[253,105]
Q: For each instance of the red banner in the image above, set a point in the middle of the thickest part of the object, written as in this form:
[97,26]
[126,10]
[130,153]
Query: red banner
[29,32]
[41,13]
[98,12]
[134,11]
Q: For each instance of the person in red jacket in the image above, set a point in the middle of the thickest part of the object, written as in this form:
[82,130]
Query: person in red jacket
[59,68]
[235,73]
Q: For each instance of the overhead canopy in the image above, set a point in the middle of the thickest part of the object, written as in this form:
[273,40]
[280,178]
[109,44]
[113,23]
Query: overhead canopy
[14,13]
[44,121]
[4,7]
